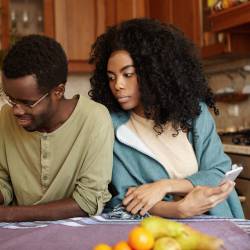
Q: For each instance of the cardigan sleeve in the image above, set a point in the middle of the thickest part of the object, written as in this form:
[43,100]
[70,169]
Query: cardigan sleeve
[212,161]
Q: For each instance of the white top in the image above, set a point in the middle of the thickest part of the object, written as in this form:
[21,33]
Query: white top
[175,153]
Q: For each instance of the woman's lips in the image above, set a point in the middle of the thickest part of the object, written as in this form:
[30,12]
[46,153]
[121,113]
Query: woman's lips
[123,99]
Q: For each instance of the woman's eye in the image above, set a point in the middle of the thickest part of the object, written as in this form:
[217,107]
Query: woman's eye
[111,78]
[129,74]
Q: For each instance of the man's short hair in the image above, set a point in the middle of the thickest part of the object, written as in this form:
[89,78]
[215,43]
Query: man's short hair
[40,56]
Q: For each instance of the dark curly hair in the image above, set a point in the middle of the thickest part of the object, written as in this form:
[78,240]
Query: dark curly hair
[169,73]
[40,56]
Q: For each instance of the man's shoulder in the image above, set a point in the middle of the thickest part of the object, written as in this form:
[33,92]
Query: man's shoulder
[91,109]
[5,114]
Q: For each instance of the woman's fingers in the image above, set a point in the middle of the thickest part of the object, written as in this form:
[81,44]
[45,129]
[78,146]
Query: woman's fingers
[134,206]
[130,190]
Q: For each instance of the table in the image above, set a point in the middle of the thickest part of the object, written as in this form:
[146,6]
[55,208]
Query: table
[84,233]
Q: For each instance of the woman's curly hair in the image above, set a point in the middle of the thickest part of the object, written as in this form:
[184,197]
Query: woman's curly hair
[169,73]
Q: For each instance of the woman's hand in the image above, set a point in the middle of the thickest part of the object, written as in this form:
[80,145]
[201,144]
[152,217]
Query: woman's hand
[203,198]
[141,199]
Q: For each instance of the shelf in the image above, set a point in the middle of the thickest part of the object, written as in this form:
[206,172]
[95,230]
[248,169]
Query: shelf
[231,97]
[233,44]
[230,18]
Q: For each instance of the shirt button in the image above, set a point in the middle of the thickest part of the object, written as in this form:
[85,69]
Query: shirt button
[45,155]
[45,136]
[45,177]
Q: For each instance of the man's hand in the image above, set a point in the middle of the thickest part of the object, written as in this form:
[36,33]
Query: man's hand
[203,198]
[1,198]
[55,210]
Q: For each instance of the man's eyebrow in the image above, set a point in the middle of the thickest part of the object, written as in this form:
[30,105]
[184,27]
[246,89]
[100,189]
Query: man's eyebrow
[20,100]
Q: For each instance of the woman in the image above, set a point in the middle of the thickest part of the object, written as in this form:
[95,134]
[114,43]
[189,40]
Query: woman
[148,76]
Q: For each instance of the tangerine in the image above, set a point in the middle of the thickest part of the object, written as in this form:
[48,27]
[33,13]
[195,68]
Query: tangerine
[140,238]
[102,246]
[122,245]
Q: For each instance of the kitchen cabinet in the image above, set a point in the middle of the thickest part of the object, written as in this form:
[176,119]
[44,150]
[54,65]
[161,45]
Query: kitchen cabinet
[183,14]
[224,33]
[243,181]
[75,23]
[120,10]
[79,22]
[20,17]
[234,26]
[231,18]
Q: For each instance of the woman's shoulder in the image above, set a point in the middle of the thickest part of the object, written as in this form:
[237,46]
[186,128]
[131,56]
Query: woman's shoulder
[119,118]
[204,121]
[205,115]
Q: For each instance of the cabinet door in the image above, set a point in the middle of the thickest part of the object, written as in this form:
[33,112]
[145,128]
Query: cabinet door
[77,24]
[186,15]
[120,10]
[4,24]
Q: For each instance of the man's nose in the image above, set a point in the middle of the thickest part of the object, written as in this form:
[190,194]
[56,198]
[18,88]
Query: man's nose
[18,109]
[119,84]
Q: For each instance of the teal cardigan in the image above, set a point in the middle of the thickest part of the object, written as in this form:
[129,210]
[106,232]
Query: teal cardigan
[131,167]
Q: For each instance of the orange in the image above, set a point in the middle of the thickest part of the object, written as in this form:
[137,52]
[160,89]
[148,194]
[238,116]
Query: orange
[122,245]
[140,238]
[102,246]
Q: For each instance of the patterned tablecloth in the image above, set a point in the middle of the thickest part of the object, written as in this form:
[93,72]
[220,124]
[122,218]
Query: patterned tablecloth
[84,233]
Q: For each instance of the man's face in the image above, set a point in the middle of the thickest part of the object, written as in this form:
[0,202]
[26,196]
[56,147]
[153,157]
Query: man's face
[31,108]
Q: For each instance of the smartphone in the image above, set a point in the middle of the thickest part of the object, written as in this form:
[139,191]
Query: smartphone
[232,174]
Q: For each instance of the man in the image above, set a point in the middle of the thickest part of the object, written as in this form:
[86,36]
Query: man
[55,153]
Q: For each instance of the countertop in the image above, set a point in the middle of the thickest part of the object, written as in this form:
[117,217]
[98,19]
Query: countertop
[237,149]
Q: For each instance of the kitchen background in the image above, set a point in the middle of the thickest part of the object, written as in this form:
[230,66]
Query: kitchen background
[219,28]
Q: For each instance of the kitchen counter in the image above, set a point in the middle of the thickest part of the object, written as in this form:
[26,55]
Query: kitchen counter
[237,149]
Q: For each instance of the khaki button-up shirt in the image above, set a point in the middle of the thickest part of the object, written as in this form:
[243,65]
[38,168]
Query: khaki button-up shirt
[73,161]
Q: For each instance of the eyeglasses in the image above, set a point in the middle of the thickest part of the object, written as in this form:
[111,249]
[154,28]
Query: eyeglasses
[12,103]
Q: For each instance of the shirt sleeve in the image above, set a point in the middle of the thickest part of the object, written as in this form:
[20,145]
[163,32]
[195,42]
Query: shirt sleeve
[5,183]
[212,161]
[91,192]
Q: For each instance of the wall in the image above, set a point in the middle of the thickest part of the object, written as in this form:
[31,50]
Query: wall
[232,116]
[232,75]
[77,84]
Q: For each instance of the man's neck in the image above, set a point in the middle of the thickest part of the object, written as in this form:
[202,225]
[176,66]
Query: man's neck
[64,111]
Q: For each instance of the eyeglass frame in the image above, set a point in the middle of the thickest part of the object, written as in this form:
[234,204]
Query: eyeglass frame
[13,104]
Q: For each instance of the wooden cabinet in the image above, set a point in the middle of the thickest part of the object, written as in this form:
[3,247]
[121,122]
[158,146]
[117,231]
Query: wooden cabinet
[120,10]
[233,26]
[231,18]
[79,22]
[183,14]
[226,32]
[20,18]
[243,181]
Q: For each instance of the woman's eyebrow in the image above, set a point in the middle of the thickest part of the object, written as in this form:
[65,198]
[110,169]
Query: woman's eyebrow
[122,69]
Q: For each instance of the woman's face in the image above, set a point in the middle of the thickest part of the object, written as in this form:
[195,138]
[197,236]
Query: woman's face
[123,81]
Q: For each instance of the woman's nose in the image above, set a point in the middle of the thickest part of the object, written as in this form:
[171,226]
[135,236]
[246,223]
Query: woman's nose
[119,84]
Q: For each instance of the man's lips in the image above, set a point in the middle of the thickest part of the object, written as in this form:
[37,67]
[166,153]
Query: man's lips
[123,99]
[23,120]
